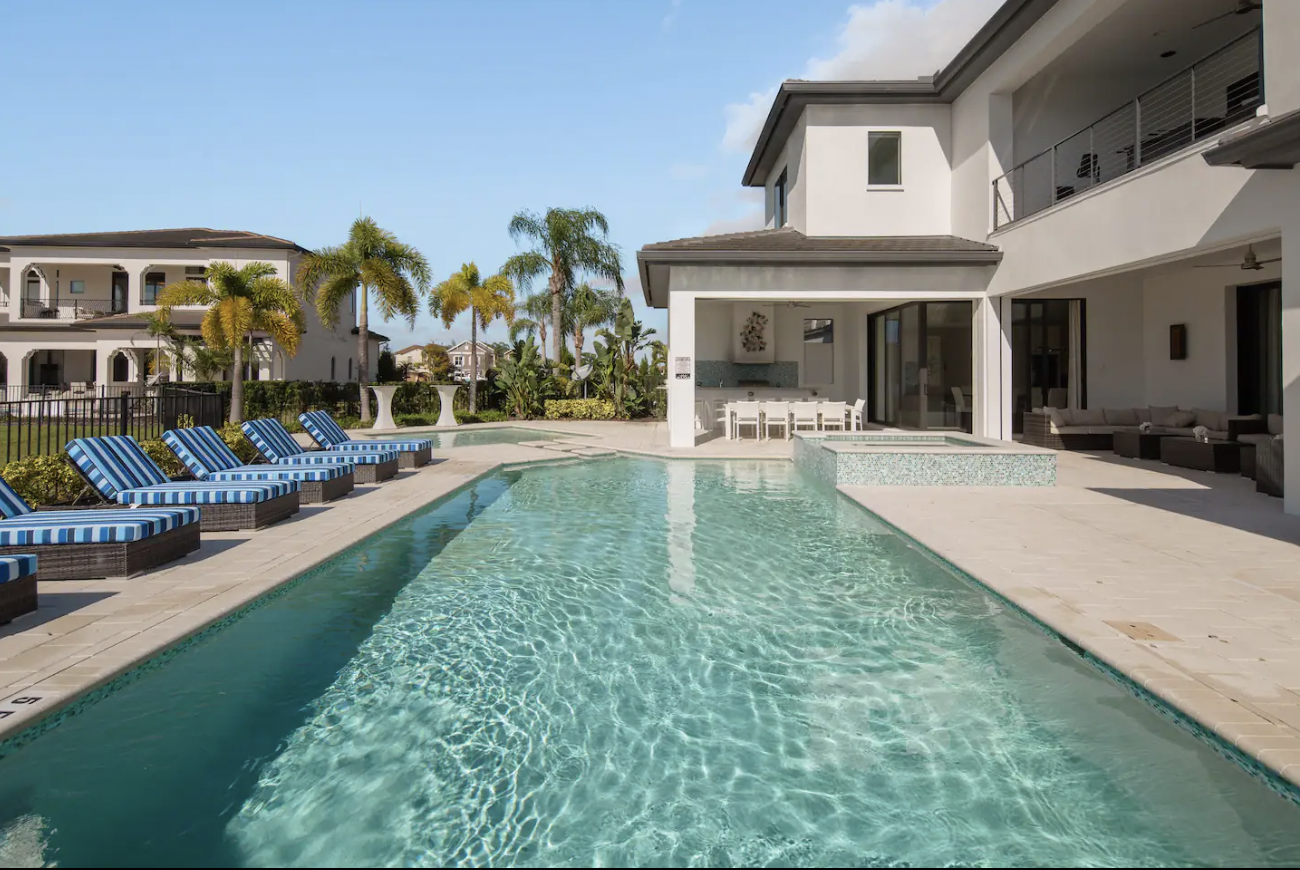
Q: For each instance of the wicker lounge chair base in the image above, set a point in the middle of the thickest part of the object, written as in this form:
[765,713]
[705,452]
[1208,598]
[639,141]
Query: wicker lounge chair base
[415,458]
[377,472]
[321,491]
[17,597]
[237,517]
[93,561]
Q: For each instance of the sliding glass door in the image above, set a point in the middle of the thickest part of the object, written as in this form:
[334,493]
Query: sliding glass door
[921,366]
[1259,349]
[1047,345]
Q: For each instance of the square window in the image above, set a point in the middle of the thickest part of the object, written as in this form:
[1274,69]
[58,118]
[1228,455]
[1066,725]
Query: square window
[77,287]
[884,159]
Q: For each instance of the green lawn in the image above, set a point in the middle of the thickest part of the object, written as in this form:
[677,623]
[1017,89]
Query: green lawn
[20,439]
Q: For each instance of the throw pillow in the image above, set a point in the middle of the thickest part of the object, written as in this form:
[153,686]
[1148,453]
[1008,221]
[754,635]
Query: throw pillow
[1209,419]
[1061,417]
[1180,420]
[1159,414]
[1089,417]
[1121,417]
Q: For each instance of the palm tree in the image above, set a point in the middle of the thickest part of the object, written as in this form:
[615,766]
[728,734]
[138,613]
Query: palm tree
[239,302]
[588,308]
[371,259]
[566,243]
[486,300]
[530,318]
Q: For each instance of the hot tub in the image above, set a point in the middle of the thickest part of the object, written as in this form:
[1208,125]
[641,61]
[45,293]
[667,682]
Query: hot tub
[921,459]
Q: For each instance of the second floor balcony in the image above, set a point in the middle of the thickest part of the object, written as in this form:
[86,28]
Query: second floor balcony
[1201,102]
[69,309]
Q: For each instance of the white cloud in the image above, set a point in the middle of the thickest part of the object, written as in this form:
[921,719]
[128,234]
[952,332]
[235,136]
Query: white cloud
[687,171]
[673,8]
[887,39]
[747,222]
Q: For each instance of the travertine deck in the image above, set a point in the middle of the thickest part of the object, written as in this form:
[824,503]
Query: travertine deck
[1188,582]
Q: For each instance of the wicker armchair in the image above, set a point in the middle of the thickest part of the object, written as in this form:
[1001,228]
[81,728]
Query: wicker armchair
[1269,470]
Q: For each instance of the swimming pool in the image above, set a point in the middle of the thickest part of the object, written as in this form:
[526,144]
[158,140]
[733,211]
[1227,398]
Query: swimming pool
[473,437]
[633,662]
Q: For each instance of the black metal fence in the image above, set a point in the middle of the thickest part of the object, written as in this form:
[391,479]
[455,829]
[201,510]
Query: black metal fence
[41,426]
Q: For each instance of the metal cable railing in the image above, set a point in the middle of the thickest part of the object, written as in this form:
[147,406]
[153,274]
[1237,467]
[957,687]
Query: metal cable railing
[1218,92]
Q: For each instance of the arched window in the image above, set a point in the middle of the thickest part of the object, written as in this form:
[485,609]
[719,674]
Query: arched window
[121,368]
[332,378]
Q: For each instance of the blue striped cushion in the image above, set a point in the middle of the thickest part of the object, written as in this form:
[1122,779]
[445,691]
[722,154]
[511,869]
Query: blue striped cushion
[381,445]
[13,567]
[327,457]
[208,492]
[115,462]
[92,527]
[271,439]
[312,473]
[321,426]
[201,450]
[11,503]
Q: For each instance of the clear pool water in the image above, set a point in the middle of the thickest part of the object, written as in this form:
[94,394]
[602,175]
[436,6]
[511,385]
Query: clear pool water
[633,663]
[471,437]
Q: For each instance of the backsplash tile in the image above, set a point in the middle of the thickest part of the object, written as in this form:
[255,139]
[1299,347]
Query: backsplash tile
[711,372]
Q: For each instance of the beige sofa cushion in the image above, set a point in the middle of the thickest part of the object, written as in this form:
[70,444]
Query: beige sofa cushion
[1061,417]
[1180,420]
[1143,415]
[1209,419]
[1160,413]
[1074,430]
[1121,416]
[1088,417]
[1275,424]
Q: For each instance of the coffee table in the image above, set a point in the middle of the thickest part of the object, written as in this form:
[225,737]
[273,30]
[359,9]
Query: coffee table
[1222,457]
[1136,444]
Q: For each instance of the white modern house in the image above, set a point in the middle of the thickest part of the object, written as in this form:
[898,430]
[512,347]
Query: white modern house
[1092,206]
[73,308]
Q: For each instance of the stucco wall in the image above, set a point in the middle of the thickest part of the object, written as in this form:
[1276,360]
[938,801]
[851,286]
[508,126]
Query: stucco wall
[840,202]
[794,162]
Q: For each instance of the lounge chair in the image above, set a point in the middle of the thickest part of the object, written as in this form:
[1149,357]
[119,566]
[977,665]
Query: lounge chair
[88,544]
[278,447]
[411,453]
[17,586]
[119,470]
[207,457]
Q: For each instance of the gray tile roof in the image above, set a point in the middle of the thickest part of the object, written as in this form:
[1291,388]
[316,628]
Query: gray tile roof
[792,241]
[191,237]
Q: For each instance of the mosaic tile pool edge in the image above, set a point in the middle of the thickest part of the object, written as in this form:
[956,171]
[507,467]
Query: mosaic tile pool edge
[882,468]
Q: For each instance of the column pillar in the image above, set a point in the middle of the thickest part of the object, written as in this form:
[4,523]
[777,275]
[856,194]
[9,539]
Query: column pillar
[1291,361]
[992,368]
[681,391]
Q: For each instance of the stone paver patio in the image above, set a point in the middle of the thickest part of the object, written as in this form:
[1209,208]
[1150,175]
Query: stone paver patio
[1187,582]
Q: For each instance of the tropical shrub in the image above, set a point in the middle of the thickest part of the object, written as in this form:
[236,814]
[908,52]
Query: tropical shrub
[43,480]
[235,440]
[480,417]
[523,381]
[580,409]
[160,453]
[615,371]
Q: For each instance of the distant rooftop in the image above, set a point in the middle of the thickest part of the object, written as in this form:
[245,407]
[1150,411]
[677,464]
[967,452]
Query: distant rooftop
[190,237]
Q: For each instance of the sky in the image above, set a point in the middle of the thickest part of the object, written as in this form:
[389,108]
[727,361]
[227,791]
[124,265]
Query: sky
[438,119]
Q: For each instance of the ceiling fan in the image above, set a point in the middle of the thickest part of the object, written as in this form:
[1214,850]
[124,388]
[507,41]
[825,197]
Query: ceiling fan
[1244,7]
[1250,262]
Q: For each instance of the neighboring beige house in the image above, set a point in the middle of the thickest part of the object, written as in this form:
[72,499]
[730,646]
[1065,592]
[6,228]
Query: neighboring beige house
[1093,206]
[412,356]
[460,360]
[73,307]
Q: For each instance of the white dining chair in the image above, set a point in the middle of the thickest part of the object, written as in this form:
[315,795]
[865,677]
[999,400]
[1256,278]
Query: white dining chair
[804,415]
[833,414]
[858,410]
[776,414]
[747,414]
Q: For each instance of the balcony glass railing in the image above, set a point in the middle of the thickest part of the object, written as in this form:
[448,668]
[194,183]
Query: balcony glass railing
[1208,97]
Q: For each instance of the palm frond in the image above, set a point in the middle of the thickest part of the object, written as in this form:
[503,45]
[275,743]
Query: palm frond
[283,329]
[323,265]
[331,294]
[393,293]
[184,293]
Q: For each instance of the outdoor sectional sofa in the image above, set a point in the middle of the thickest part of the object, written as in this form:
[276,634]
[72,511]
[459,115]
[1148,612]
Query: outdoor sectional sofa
[1095,428]
[278,447]
[17,586]
[206,456]
[411,453]
[119,470]
[89,544]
